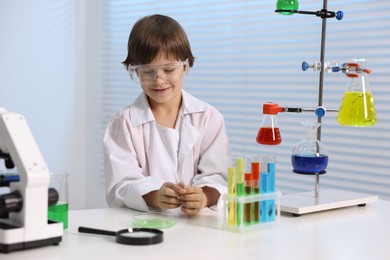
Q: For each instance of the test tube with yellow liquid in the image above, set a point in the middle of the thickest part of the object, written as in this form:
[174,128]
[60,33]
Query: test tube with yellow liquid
[231,193]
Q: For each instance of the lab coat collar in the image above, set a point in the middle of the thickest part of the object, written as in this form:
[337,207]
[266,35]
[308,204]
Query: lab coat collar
[140,112]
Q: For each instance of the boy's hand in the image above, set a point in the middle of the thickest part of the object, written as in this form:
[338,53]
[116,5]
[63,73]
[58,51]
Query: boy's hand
[168,196]
[193,200]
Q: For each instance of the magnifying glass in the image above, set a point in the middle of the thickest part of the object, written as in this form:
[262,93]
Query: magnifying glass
[130,236]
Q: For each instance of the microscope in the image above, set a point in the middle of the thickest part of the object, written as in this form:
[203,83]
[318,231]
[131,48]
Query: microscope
[24,220]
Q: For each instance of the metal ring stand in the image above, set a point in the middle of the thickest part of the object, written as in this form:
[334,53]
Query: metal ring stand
[307,202]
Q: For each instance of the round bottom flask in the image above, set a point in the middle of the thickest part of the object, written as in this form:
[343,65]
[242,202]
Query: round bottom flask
[309,155]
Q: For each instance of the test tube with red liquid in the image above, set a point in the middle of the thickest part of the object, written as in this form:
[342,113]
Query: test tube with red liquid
[256,190]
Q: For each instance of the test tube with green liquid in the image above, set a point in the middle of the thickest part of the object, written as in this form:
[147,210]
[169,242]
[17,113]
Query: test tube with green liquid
[240,187]
[248,207]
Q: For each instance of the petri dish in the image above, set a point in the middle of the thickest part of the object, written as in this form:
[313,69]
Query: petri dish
[156,220]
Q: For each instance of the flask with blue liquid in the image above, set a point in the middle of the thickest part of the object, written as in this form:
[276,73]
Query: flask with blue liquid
[309,155]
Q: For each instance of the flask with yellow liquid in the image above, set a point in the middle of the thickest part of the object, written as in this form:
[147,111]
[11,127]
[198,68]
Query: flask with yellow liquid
[357,107]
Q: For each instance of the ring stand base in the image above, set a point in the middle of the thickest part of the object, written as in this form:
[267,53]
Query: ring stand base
[306,202]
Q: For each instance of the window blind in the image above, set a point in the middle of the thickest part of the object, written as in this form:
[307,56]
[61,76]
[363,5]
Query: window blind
[246,55]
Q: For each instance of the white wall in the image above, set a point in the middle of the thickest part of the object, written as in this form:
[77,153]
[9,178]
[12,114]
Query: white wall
[42,76]
[95,183]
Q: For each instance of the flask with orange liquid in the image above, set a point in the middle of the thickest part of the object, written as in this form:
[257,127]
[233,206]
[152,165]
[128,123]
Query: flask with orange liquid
[269,133]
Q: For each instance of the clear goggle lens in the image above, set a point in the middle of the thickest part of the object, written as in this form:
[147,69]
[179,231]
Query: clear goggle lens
[147,74]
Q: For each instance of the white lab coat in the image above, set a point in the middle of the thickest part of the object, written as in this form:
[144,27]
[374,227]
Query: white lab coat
[140,155]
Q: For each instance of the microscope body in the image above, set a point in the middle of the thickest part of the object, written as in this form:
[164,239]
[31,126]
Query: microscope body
[28,226]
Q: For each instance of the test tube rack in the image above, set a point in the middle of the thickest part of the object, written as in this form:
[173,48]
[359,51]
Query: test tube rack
[268,216]
[251,201]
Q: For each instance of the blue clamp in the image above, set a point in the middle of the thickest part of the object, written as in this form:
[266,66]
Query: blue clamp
[336,69]
[305,65]
[320,111]
[339,15]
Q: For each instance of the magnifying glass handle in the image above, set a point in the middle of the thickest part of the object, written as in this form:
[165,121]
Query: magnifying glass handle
[96,231]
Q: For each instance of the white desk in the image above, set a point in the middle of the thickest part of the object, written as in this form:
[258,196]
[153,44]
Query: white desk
[347,233]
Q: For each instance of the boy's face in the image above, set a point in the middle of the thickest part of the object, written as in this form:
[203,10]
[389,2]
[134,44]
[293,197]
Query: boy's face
[162,80]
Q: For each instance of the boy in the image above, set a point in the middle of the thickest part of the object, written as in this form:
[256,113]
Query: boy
[168,149]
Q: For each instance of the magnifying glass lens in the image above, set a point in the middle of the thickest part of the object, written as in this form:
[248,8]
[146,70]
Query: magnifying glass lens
[138,234]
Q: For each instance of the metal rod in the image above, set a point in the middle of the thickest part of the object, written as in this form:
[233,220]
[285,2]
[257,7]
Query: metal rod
[323,13]
[321,85]
[317,187]
[302,109]
[313,110]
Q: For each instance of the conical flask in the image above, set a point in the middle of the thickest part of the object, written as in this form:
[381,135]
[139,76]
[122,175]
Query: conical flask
[269,133]
[288,5]
[357,107]
[309,155]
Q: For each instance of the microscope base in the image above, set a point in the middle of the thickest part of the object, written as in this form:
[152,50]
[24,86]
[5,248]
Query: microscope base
[12,238]
[7,248]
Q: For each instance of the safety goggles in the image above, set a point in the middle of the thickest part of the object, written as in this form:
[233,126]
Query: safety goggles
[147,74]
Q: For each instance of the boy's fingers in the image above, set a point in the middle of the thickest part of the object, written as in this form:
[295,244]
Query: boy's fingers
[193,190]
[168,197]
[170,202]
[190,211]
[179,188]
[172,189]
[191,197]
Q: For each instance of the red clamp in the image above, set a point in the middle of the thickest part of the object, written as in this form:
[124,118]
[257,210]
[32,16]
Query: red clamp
[271,108]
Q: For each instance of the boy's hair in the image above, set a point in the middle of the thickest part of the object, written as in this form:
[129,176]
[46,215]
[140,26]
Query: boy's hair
[157,35]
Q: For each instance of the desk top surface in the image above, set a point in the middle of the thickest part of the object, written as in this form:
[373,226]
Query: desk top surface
[347,233]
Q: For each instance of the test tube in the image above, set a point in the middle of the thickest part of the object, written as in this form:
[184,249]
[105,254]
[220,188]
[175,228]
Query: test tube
[268,186]
[231,193]
[263,190]
[240,187]
[255,167]
[271,188]
[248,211]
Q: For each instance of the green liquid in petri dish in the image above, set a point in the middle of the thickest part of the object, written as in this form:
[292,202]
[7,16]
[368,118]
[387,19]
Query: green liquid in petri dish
[59,213]
[154,220]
